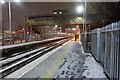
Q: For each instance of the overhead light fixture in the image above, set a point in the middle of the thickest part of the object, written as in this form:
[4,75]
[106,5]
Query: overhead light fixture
[17,0]
[2,1]
[80,9]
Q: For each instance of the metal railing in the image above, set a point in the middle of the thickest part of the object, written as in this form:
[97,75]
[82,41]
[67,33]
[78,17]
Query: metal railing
[105,46]
[95,43]
[23,38]
[86,41]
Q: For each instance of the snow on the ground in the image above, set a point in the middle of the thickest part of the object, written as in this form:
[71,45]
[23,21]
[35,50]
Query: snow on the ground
[29,67]
[73,67]
[81,47]
[70,68]
[19,56]
[92,68]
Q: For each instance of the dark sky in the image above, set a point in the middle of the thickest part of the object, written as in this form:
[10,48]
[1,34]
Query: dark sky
[23,9]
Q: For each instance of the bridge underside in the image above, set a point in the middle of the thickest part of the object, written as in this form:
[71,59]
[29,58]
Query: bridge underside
[54,20]
[37,24]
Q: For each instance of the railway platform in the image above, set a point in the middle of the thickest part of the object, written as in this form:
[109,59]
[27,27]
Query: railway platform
[67,61]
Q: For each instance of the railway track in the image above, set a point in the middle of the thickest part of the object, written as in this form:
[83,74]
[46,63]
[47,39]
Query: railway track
[22,52]
[21,60]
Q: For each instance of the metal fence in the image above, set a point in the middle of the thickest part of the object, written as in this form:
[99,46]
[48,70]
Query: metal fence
[95,43]
[86,41]
[6,39]
[105,46]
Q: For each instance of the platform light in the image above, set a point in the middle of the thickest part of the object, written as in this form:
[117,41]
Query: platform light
[60,27]
[2,1]
[13,32]
[60,12]
[17,0]
[54,12]
[27,32]
[79,18]
[80,9]
[56,26]
[77,26]
[73,29]
[58,32]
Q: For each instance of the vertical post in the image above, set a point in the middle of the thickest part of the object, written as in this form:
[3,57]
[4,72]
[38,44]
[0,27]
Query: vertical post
[26,40]
[84,25]
[10,22]
[21,38]
[2,39]
[12,38]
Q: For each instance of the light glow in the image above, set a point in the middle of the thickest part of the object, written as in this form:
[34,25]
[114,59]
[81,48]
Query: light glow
[17,0]
[60,12]
[2,1]
[56,26]
[73,29]
[80,9]
[55,12]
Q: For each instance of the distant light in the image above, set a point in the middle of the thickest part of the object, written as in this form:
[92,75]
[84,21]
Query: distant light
[79,18]
[80,9]
[55,12]
[27,32]
[56,26]
[60,12]
[23,29]
[73,29]
[60,27]
[2,1]
[58,33]
[13,32]
[89,25]
[68,33]
[77,26]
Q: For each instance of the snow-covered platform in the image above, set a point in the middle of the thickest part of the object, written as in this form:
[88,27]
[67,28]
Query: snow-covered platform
[67,61]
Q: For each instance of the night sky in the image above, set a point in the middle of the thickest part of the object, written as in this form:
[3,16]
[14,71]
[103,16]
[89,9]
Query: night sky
[108,12]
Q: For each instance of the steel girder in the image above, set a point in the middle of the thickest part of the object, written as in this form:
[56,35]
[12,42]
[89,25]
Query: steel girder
[54,21]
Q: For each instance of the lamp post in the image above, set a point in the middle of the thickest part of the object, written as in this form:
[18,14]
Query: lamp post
[10,17]
[10,21]
[80,10]
[2,2]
